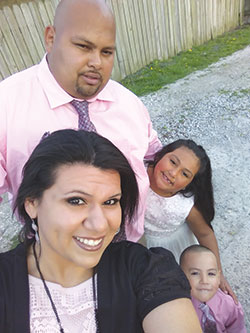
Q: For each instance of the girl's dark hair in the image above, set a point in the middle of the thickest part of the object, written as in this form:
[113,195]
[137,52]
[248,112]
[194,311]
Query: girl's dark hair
[201,186]
[69,147]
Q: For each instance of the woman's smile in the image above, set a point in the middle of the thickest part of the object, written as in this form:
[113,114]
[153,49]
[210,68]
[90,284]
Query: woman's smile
[89,244]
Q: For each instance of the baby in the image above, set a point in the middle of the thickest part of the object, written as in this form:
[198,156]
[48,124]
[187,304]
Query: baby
[216,310]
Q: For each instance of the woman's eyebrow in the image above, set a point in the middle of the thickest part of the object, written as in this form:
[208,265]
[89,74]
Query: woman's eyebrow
[119,194]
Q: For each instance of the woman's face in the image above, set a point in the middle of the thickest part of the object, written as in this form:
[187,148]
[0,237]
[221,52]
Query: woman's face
[79,215]
[174,171]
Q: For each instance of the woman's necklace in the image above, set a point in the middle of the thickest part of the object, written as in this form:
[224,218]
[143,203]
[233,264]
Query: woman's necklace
[95,301]
[51,300]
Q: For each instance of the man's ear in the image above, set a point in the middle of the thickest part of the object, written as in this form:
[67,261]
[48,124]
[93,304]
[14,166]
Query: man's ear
[49,37]
[30,206]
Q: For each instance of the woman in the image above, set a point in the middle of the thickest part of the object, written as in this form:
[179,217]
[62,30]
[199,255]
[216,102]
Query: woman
[66,275]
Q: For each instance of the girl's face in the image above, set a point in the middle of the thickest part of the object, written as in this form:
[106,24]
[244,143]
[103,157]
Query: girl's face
[78,216]
[174,171]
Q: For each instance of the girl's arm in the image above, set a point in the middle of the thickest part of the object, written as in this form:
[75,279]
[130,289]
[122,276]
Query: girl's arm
[177,316]
[206,237]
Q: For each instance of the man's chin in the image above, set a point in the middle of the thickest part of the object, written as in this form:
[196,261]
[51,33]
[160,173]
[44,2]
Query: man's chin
[86,93]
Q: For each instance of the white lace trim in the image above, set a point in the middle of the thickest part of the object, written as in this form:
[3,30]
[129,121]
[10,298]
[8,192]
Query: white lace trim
[75,307]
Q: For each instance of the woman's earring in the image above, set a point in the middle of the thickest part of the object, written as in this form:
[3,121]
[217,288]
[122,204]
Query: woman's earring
[35,228]
[118,230]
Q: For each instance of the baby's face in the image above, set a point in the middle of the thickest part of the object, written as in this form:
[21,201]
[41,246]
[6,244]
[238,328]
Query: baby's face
[202,272]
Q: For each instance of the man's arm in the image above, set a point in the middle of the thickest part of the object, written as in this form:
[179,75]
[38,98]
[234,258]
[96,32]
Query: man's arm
[3,174]
[154,143]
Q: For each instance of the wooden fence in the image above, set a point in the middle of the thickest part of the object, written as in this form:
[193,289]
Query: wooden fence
[146,30]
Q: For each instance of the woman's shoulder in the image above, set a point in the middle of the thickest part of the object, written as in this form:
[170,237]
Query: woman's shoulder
[127,248]
[19,250]
[136,257]
[154,274]
[11,258]
[14,291]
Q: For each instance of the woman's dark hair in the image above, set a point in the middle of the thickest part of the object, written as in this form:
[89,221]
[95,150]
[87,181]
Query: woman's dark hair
[201,186]
[69,147]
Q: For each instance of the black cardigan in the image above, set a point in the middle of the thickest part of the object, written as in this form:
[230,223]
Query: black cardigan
[131,281]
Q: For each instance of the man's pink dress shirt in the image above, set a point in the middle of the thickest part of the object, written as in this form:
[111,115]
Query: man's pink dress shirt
[32,103]
[229,316]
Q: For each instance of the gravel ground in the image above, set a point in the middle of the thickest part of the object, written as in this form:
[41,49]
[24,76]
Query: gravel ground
[213,108]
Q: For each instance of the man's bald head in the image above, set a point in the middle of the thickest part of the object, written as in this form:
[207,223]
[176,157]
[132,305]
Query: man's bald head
[67,7]
[81,46]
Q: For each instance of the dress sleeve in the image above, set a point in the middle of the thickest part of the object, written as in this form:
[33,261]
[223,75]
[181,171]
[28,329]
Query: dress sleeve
[159,279]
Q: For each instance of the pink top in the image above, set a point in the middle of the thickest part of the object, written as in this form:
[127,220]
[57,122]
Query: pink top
[229,316]
[75,307]
[32,103]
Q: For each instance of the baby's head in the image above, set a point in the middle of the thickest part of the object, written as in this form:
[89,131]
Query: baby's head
[201,268]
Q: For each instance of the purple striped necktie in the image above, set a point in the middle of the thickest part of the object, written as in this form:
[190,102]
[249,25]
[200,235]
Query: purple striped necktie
[84,122]
[208,321]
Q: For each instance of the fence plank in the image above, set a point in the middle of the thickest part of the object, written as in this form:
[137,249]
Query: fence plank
[36,14]
[146,30]
[44,15]
[17,34]
[26,35]
[189,32]
[34,34]
[10,42]
[162,30]
[121,42]
[156,29]
[135,8]
[130,36]
[153,41]
[4,70]
[7,59]
[50,10]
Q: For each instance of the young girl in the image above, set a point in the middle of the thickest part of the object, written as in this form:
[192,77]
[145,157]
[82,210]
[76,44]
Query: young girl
[180,203]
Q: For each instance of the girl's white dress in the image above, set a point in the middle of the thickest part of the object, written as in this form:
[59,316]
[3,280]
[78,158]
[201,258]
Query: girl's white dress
[165,222]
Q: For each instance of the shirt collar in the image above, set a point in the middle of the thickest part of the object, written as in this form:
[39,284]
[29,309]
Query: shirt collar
[210,303]
[55,93]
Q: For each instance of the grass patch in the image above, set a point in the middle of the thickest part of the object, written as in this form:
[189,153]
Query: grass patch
[159,73]
[245,91]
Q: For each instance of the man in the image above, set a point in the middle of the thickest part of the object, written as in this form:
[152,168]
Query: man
[80,54]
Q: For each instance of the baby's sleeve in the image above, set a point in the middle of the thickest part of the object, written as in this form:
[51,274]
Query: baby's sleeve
[236,323]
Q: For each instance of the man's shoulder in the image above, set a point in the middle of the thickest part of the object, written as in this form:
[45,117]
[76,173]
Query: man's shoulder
[117,89]
[23,77]
[222,300]
[223,296]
